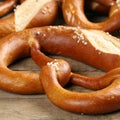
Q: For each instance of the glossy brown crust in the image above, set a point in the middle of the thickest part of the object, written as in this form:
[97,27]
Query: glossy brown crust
[46,15]
[87,82]
[74,15]
[96,83]
[97,102]
[11,49]
[55,40]
[75,44]
[7,25]
[7,7]
[103,101]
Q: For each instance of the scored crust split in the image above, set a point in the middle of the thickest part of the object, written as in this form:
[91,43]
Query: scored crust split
[26,12]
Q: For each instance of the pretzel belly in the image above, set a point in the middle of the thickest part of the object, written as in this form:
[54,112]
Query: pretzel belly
[96,48]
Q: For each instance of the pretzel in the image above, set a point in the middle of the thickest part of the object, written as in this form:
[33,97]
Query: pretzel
[73,12]
[96,83]
[87,82]
[44,14]
[11,49]
[55,40]
[7,6]
[97,102]
[16,46]
[103,101]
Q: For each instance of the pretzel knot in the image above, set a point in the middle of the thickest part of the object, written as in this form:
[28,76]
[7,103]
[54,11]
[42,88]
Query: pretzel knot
[98,102]
[55,73]
[61,68]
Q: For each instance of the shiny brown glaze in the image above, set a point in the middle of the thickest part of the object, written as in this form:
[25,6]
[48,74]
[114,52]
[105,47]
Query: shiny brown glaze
[42,18]
[58,40]
[74,15]
[96,102]
[7,6]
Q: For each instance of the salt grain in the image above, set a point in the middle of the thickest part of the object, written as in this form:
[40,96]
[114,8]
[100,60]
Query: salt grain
[79,37]
[38,32]
[54,64]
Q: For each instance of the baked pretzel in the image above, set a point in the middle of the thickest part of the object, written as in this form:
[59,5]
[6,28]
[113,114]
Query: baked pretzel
[87,82]
[98,102]
[16,46]
[44,14]
[55,40]
[74,15]
[81,44]
[7,6]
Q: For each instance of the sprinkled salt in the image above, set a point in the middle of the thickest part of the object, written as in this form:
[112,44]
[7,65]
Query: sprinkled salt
[69,15]
[46,10]
[54,64]
[38,33]
[79,37]
[48,29]
[99,52]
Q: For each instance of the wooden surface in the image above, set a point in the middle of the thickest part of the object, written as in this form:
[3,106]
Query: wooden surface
[38,107]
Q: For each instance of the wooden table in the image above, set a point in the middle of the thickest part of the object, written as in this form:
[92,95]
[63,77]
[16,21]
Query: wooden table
[38,107]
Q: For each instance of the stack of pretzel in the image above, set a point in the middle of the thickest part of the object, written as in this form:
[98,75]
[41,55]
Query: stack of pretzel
[29,30]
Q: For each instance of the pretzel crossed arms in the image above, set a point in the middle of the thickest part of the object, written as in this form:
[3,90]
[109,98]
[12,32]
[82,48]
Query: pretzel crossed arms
[93,47]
